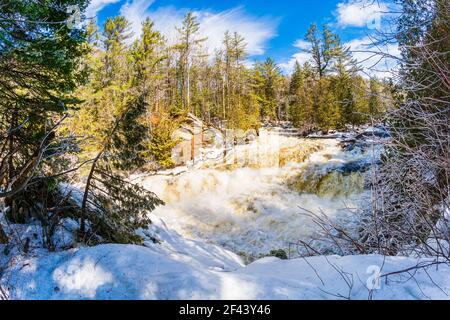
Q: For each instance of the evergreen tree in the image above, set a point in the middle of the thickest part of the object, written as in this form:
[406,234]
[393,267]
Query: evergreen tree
[301,97]
[330,99]
[375,104]
[343,85]
[324,48]
[116,32]
[268,80]
[39,70]
[238,102]
[328,109]
[150,124]
[112,119]
[187,49]
[297,80]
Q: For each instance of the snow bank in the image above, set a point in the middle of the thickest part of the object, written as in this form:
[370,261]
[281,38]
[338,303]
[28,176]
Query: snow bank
[133,272]
[172,267]
[242,209]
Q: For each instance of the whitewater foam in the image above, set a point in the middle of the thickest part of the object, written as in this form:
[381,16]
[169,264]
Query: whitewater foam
[245,203]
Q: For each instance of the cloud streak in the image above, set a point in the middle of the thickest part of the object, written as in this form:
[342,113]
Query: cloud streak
[256,30]
[375,60]
[95,6]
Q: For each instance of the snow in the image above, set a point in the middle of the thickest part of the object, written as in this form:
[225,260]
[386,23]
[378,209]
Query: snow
[142,273]
[179,268]
[212,210]
[336,135]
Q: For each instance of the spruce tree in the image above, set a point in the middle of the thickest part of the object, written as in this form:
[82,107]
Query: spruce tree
[40,67]
[301,97]
[375,104]
[342,83]
[112,119]
[269,80]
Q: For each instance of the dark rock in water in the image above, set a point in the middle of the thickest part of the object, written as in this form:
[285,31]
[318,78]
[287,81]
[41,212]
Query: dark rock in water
[377,132]
[354,166]
[357,166]
[348,145]
[361,141]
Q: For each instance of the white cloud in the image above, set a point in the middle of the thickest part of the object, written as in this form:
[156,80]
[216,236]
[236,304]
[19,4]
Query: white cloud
[361,13]
[300,57]
[96,6]
[302,44]
[166,19]
[134,12]
[375,60]
[257,31]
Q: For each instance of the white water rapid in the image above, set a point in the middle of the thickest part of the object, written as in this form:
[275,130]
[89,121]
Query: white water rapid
[251,203]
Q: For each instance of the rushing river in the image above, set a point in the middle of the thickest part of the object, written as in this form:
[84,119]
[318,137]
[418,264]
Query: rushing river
[253,203]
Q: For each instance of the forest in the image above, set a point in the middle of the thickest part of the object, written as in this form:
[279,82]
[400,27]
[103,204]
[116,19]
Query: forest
[85,108]
[166,81]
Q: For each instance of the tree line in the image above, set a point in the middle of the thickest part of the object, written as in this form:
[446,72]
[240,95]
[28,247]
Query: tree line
[409,200]
[92,105]
[173,79]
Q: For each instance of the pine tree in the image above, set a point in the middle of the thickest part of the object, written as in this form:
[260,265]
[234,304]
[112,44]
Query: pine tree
[323,49]
[297,80]
[150,127]
[301,97]
[112,118]
[187,49]
[328,114]
[343,83]
[147,55]
[268,80]
[116,32]
[115,207]
[334,101]
[238,105]
[375,104]
[39,70]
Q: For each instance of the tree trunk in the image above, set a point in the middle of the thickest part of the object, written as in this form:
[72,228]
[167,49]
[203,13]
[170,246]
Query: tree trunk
[188,90]
[86,194]
[3,237]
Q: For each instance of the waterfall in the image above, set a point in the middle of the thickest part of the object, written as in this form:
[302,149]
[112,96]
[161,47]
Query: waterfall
[249,202]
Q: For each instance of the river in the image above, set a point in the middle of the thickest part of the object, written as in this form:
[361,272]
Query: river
[254,202]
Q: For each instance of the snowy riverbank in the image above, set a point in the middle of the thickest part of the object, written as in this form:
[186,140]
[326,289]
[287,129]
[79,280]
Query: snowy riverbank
[248,206]
[184,269]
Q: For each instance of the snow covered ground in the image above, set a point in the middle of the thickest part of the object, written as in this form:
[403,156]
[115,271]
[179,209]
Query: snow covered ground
[184,269]
[245,207]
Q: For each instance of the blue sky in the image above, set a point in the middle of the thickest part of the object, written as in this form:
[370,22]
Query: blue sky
[274,28]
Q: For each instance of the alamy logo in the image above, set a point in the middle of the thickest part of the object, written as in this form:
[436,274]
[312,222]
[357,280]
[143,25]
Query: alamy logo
[74,19]
[375,22]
